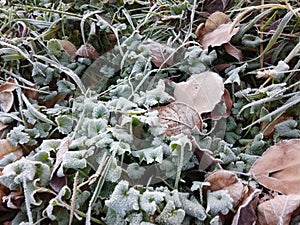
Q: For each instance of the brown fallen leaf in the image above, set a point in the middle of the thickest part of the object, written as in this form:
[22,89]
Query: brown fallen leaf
[63,148]
[6,148]
[179,118]
[219,36]
[278,210]
[217,30]
[246,213]
[160,54]
[269,128]
[6,95]
[233,51]
[226,180]
[87,51]
[69,48]
[279,167]
[201,91]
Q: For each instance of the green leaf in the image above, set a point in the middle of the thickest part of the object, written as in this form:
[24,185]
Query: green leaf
[287,129]
[65,87]
[64,123]
[17,136]
[54,47]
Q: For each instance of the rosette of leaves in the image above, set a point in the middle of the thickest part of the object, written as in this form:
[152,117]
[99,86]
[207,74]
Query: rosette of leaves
[27,174]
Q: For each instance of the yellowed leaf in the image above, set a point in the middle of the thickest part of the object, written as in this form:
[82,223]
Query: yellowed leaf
[278,210]
[279,167]
[201,91]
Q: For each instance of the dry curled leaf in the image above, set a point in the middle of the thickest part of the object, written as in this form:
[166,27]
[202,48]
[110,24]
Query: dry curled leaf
[279,167]
[201,91]
[87,51]
[217,30]
[180,118]
[278,210]
[69,48]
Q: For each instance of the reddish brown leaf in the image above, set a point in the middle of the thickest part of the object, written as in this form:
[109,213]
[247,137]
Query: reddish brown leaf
[201,91]
[180,118]
[14,200]
[233,51]
[69,48]
[278,210]
[9,86]
[87,51]
[279,167]
[6,148]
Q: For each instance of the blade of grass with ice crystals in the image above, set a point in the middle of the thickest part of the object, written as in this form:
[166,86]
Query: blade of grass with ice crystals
[65,70]
[281,110]
[35,112]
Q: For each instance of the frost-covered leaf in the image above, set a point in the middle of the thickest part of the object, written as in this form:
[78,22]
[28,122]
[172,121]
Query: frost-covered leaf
[121,104]
[233,74]
[119,147]
[170,215]
[64,123]
[150,154]
[121,134]
[135,171]
[54,47]
[113,218]
[149,201]
[134,218]
[76,159]
[154,96]
[59,200]
[114,172]
[219,202]
[123,199]
[278,210]
[18,136]
[193,208]
[6,101]
[287,129]
[65,87]
[24,170]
